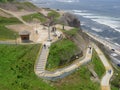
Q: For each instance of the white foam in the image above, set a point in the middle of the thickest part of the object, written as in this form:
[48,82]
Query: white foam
[106,20]
[97,30]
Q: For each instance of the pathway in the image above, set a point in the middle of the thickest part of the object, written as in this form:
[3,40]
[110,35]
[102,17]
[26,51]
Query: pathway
[109,71]
[59,73]
[15,15]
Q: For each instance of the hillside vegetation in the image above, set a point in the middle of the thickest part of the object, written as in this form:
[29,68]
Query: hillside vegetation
[54,15]
[98,65]
[17,68]
[61,53]
[6,33]
[79,80]
[116,80]
[40,17]
[7,0]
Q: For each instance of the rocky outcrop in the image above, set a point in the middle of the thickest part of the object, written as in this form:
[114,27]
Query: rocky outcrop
[70,20]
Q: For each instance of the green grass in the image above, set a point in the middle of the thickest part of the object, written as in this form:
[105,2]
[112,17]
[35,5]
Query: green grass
[4,1]
[29,4]
[7,34]
[23,5]
[79,80]
[115,80]
[8,21]
[54,14]
[60,53]
[71,32]
[98,65]
[38,16]
[17,68]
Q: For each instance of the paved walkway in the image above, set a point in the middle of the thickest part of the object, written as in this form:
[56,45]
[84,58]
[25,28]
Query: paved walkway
[59,73]
[15,15]
[109,71]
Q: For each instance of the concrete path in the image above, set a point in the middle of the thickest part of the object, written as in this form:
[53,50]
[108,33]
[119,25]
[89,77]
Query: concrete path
[15,15]
[59,73]
[109,71]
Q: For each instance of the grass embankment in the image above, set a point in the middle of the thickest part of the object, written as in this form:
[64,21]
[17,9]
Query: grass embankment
[98,65]
[5,1]
[40,17]
[8,21]
[71,32]
[6,33]
[61,53]
[115,83]
[80,80]
[17,68]
[54,14]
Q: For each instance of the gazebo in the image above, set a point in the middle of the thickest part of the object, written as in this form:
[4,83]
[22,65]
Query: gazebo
[25,36]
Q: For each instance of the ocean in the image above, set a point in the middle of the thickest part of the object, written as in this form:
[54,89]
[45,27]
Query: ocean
[100,17]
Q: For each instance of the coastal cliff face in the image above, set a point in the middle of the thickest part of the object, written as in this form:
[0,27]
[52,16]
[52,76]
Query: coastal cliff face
[70,20]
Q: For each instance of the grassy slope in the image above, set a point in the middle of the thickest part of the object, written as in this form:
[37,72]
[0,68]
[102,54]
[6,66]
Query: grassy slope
[60,53]
[38,16]
[115,84]
[8,21]
[54,14]
[17,68]
[71,32]
[6,33]
[98,65]
[80,80]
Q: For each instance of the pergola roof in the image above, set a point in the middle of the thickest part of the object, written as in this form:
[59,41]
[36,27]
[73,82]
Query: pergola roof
[25,32]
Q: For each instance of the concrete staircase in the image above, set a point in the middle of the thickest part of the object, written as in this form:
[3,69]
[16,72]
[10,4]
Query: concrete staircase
[42,60]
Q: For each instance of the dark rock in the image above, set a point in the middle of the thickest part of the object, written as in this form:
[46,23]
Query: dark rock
[70,20]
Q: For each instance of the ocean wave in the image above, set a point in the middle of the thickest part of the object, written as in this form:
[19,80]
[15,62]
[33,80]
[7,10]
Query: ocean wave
[106,20]
[96,29]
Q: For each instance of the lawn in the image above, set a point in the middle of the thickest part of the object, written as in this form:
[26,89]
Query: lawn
[9,21]
[98,65]
[79,80]
[61,53]
[71,32]
[39,16]
[17,68]
[7,34]
[54,14]
[115,83]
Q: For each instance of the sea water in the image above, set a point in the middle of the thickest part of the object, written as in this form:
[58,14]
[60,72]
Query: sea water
[101,17]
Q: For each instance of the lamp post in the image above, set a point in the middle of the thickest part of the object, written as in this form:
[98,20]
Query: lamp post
[49,39]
